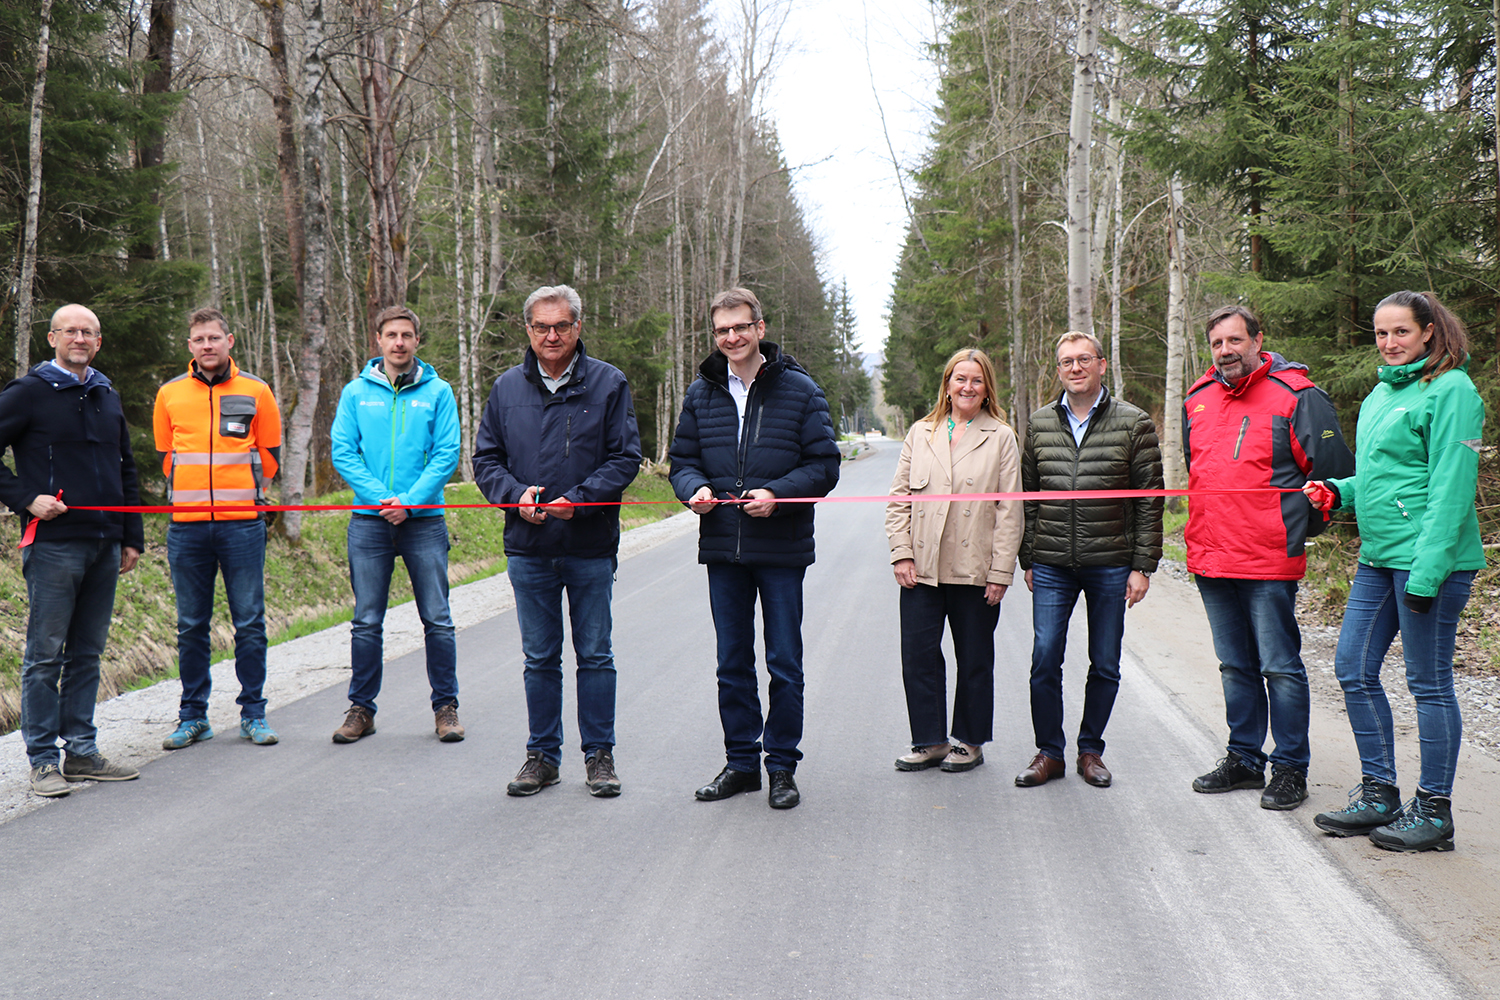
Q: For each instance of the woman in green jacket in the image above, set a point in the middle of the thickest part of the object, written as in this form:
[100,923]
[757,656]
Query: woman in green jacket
[1417,466]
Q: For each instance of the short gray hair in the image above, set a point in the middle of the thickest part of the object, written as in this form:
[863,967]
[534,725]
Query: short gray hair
[554,293]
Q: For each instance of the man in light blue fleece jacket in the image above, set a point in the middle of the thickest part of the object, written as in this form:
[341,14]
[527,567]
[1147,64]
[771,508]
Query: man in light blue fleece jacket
[396,443]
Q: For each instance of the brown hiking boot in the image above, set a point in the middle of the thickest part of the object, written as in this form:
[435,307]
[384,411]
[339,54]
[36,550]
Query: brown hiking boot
[446,723]
[359,721]
[602,780]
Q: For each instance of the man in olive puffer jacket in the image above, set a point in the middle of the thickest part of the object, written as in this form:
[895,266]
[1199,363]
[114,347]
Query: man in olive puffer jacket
[1107,549]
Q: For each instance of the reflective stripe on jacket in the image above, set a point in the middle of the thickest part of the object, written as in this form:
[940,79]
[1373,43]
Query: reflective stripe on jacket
[220,441]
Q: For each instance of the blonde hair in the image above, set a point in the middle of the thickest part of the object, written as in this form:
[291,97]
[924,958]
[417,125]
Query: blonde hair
[939,413]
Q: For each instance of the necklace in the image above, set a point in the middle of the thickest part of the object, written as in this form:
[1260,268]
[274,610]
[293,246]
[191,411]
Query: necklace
[952,426]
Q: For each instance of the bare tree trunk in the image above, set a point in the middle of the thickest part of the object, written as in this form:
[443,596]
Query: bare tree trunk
[1080,142]
[151,150]
[215,293]
[1171,452]
[388,263]
[1116,153]
[314,273]
[268,294]
[286,134]
[29,236]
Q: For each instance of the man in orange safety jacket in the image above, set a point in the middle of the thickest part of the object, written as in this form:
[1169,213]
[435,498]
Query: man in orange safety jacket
[218,431]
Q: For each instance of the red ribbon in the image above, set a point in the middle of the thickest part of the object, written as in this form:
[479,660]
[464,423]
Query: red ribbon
[901,498]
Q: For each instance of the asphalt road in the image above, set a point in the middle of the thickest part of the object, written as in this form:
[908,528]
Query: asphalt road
[397,867]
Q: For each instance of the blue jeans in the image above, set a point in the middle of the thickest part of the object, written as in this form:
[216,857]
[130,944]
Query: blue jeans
[1259,646]
[539,582]
[70,586]
[1055,591]
[924,674]
[422,544]
[196,551]
[732,591]
[1371,620]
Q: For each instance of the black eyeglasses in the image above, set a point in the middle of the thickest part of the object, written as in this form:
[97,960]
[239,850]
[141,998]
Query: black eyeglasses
[739,328]
[1083,361]
[542,329]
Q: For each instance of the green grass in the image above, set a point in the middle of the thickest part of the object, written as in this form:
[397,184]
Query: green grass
[307,587]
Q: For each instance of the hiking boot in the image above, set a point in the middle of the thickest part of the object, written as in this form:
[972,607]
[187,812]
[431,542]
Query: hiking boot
[358,721]
[921,758]
[1426,824]
[96,767]
[1371,803]
[533,776]
[188,732]
[446,724]
[1287,790]
[258,732]
[47,780]
[962,757]
[603,782]
[1231,773]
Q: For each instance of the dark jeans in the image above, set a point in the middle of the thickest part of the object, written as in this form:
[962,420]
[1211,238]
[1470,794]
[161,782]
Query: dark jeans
[422,544]
[197,551]
[71,589]
[1259,646]
[539,582]
[732,592]
[1055,591]
[924,673]
[1372,618]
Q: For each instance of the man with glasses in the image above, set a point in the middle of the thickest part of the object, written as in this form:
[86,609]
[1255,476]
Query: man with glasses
[1256,421]
[66,431]
[1105,549]
[754,429]
[218,432]
[558,437]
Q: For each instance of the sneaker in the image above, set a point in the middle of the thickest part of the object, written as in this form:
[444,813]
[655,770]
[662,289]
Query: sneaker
[1231,773]
[603,782]
[47,780]
[962,757]
[358,721]
[533,776]
[1426,824]
[1371,803]
[257,732]
[446,724]
[188,732]
[921,758]
[1287,790]
[96,767]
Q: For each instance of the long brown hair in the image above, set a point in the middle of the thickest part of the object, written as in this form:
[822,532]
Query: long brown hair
[1449,346]
[939,413]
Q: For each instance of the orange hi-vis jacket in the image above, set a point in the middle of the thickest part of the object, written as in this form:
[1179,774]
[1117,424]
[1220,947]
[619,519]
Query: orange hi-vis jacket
[220,441]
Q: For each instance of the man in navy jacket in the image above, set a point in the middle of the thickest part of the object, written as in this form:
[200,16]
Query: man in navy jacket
[67,433]
[754,427]
[559,431]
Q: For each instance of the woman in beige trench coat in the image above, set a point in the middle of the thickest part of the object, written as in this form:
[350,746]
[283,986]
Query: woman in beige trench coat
[954,561]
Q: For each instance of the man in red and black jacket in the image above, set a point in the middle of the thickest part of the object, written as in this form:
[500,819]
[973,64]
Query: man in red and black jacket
[1256,421]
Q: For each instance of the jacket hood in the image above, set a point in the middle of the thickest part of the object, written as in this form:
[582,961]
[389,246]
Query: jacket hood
[58,377]
[715,367]
[374,370]
[1271,363]
[1402,374]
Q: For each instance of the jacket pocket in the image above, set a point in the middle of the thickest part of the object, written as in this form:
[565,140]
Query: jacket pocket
[235,416]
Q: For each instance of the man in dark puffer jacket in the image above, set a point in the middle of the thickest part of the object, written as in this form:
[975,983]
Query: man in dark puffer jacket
[66,431]
[1107,549]
[755,426]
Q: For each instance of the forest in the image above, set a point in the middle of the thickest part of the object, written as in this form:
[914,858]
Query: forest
[1126,168]
[1120,167]
[301,165]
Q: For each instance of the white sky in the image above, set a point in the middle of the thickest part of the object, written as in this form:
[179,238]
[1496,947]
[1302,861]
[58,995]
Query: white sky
[824,106]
